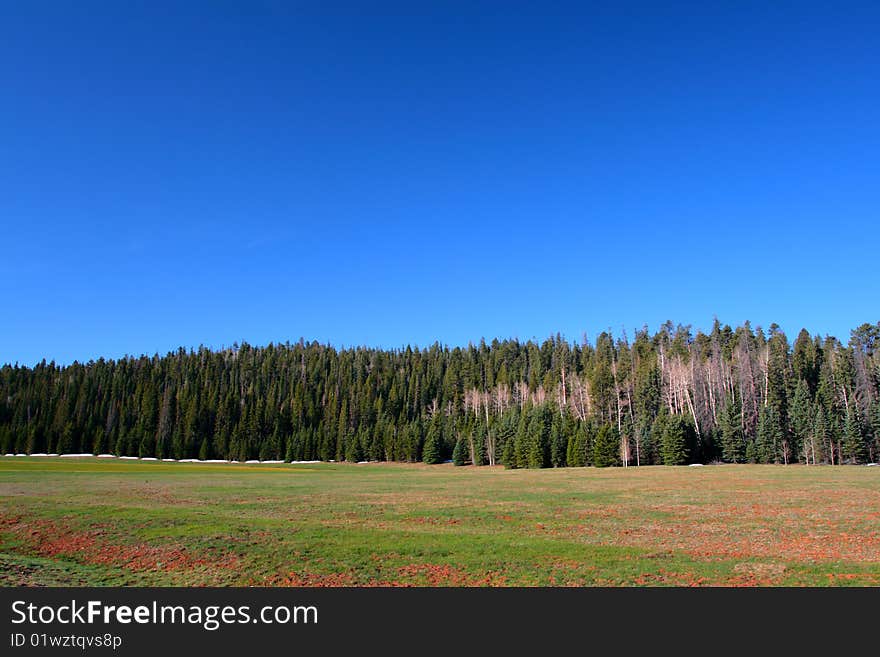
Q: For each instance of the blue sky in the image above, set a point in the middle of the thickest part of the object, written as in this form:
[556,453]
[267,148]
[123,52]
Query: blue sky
[391,173]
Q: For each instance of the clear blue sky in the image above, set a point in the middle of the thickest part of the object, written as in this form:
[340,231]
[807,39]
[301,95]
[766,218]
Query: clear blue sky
[383,174]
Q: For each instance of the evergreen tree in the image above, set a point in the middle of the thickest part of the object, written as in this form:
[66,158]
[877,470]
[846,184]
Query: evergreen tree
[292,450]
[265,450]
[802,419]
[580,447]
[508,456]
[674,442]
[521,440]
[606,447]
[821,436]
[854,443]
[558,441]
[874,440]
[479,445]
[805,361]
[433,450]
[235,444]
[538,438]
[147,446]
[647,450]
[505,432]
[459,454]
[751,452]
[351,448]
[190,430]
[658,428]
[415,441]
[6,442]
[770,436]
[732,442]
[99,442]
[65,444]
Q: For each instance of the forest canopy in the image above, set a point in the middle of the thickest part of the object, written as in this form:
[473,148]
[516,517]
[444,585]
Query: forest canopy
[672,397]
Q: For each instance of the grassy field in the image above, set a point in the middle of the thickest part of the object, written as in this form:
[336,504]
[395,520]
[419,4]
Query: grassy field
[110,522]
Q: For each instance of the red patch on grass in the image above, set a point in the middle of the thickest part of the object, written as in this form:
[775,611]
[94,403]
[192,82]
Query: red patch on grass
[416,574]
[54,539]
[427,520]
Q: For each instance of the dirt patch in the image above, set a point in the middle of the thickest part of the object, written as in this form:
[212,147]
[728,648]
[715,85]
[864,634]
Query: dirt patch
[760,569]
[312,580]
[429,574]
[670,578]
[808,530]
[713,540]
[756,574]
[94,546]
[427,520]
[425,574]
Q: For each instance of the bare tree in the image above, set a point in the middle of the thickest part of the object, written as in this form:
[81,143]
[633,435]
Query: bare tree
[579,400]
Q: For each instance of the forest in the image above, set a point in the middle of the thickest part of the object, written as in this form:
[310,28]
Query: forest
[673,397]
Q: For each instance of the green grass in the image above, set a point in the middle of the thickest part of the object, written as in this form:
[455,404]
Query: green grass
[108,522]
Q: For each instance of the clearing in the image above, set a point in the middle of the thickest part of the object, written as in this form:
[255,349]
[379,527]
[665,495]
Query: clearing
[89,521]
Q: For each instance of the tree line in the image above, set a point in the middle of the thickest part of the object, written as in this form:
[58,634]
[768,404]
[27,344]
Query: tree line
[672,397]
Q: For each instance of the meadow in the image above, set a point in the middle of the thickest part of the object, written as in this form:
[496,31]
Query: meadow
[89,521]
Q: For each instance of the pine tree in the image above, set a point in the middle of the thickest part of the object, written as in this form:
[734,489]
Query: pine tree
[99,441]
[327,443]
[433,450]
[538,438]
[558,441]
[508,455]
[606,447]
[805,361]
[674,442]
[732,443]
[505,432]
[821,437]
[751,452]
[854,443]
[147,446]
[205,450]
[658,428]
[65,444]
[416,441]
[521,440]
[290,449]
[242,440]
[770,436]
[802,419]
[459,454]
[147,424]
[777,373]
[190,429]
[343,428]
[479,445]
[6,442]
[376,438]
[580,447]
[647,448]
[874,441]
[235,443]
[353,450]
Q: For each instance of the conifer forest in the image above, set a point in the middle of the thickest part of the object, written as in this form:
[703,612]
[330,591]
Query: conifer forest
[672,397]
